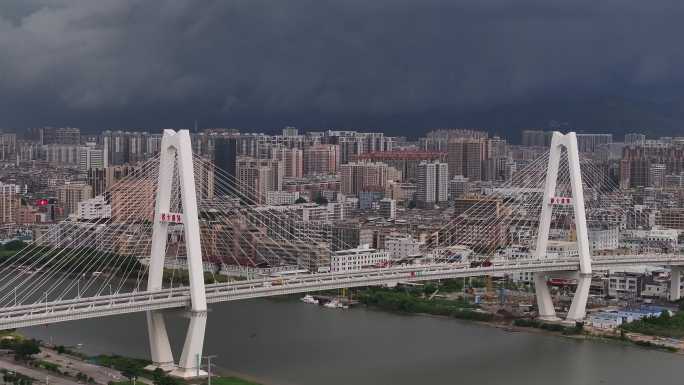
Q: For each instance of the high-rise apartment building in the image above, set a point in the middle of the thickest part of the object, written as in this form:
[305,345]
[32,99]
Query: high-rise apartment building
[433,183]
[321,159]
[635,166]
[121,147]
[90,157]
[94,209]
[593,142]
[438,140]
[656,175]
[8,147]
[10,203]
[69,195]
[290,131]
[536,138]
[458,187]
[465,157]
[405,162]
[205,180]
[256,177]
[478,159]
[62,154]
[388,208]
[225,159]
[61,135]
[292,159]
[115,145]
[363,176]
[635,139]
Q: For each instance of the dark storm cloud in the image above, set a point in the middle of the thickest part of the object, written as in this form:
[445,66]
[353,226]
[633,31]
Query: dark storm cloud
[254,62]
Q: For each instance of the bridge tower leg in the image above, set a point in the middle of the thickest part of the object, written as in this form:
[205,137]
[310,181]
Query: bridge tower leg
[544,301]
[176,151]
[160,348]
[578,307]
[675,282]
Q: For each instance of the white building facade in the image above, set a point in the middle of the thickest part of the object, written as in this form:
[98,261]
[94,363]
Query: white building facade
[95,208]
[399,247]
[357,259]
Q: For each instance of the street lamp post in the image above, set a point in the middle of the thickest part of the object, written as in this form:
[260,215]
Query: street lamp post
[209,368]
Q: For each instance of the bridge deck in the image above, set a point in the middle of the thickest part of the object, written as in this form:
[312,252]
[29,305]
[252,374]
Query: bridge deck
[93,307]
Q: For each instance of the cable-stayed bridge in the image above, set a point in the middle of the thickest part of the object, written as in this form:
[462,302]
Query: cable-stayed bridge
[177,215]
[93,307]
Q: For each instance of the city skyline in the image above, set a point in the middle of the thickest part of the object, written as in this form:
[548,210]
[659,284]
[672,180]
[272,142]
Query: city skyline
[310,192]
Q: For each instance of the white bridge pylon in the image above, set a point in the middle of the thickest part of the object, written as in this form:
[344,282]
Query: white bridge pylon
[176,152]
[579,302]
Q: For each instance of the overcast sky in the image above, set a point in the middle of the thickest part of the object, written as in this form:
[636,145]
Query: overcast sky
[379,64]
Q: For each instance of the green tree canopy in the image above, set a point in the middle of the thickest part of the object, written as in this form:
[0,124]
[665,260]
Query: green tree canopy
[14,245]
[25,349]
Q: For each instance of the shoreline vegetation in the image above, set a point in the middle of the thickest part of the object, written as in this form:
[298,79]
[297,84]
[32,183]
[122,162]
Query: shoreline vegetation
[25,351]
[411,302]
[415,300]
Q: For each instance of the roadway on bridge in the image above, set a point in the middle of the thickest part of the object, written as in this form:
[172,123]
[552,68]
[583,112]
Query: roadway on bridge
[82,308]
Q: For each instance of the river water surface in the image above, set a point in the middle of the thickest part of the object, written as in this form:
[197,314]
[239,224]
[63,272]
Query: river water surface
[285,342]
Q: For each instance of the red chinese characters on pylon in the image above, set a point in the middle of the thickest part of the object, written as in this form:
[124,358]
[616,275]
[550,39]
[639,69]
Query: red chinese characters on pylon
[171,217]
[561,201]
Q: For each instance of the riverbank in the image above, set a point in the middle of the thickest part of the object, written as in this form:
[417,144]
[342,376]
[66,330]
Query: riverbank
[416,301]
[287,342]
[32,361]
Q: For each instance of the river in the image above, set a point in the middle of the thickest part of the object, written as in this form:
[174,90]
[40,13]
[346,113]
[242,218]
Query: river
[285,342]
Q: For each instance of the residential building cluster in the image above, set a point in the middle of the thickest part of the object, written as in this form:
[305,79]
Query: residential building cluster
[363,198]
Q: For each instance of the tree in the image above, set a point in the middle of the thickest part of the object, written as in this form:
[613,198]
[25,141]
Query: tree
[161,378]
[131,372]
[300,200]
[26,348]
[14,245]
[321,200]
[157,375]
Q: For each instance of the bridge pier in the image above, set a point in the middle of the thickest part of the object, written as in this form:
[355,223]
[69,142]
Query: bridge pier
[191,358]
[675,282]
[160,348]
[578,307]
[547,312]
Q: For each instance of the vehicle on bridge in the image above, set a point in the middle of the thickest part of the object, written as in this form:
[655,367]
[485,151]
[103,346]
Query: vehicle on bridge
[481,263]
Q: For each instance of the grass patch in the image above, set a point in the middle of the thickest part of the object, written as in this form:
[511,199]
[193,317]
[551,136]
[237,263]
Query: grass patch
[662,326]
[413,301]
[121,363]
[231,381]
[567,330]
[47,365]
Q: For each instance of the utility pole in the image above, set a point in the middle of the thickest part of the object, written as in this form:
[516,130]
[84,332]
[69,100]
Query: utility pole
[208,358]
